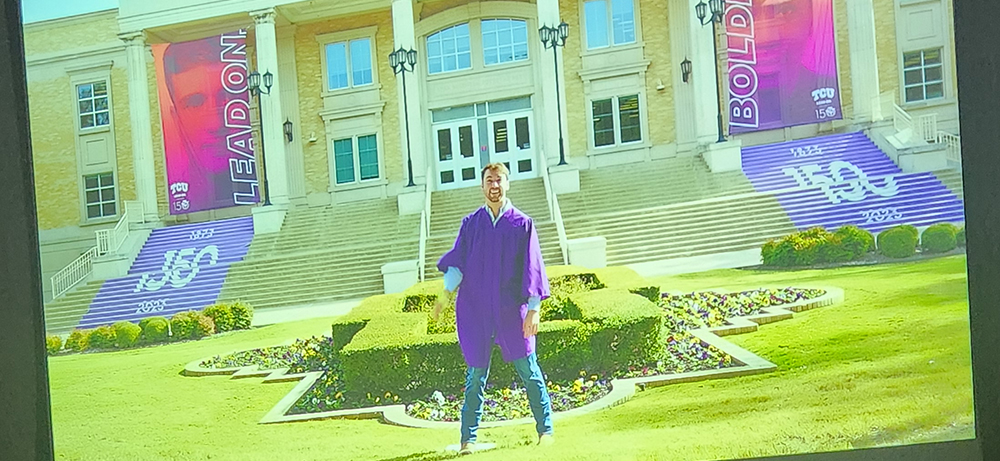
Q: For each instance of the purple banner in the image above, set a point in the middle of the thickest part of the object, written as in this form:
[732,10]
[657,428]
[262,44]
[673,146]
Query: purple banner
[782,64]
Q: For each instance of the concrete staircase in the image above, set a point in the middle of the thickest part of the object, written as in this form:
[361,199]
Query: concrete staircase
[952,179]
[63,314]
[324,254]
[449,207]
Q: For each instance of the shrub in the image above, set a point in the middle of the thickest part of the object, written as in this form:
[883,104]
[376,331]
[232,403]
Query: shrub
[425,303]
[856,240]
[960,237]
[191,325]
[651,293]
[154,330]
[911,229]
[126,334]
[102,337]
[833,250]
[78,340]
[53,344]
[222,315]
[939,238]
[801,249]
[557,306]
[897,242]
[242,315]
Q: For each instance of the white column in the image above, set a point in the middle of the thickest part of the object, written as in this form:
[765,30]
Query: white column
[403,37]
[864,57]
[276,164]
[290,101]
[680,46]
[703,80]
[548,15]
[141,124]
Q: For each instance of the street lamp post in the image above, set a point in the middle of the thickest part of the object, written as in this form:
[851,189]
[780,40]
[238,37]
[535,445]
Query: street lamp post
[717,8]
[403,61]
[254,80]
[553,37]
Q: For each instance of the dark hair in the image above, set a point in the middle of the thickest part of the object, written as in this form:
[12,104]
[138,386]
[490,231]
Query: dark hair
[495,167]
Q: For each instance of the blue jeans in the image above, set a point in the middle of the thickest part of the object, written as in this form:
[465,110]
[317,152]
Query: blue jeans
[538,397]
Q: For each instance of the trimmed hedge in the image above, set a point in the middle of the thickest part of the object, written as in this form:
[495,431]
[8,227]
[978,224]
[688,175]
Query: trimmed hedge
[53,344]
[230,316]
[898,242]
[191,325]
[126,334]
[102,337]
[939,238]
[154,330]
[388,342]
[818,246]
[960,237]
[242,315]
[78,340]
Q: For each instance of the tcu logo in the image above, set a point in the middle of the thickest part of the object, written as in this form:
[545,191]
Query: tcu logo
[174,264]
[836,187]
[808,151]
[823,95]
[178,188]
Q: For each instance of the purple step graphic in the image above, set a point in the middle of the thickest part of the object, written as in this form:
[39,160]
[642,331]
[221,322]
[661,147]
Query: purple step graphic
[843,179]
[179,268]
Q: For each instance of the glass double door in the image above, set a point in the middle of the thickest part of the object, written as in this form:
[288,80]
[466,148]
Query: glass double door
[464,147]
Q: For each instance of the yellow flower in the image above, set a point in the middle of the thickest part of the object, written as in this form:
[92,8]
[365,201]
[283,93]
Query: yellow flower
[583,373]
[395,398]
[593,377]
[377,399]
[369,396]
[339,395]
[388,394]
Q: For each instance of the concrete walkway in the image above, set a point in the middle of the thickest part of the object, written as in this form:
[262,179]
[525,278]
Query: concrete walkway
[678,266]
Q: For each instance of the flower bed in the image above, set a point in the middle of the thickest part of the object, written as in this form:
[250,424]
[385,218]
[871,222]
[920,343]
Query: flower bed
[709,309]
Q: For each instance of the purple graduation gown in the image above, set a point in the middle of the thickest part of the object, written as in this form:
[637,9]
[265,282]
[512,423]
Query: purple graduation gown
[501,268]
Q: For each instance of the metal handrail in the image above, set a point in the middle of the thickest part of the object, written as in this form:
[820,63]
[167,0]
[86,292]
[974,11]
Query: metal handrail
[554,212]
[73,273]
[953,146]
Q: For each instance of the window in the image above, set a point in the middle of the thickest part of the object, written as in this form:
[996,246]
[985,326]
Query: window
[609,22]
[923,75]
[349,166]
[100,194]
[92,99]
[616,121]
[349,64]
[449,50]
[504,40]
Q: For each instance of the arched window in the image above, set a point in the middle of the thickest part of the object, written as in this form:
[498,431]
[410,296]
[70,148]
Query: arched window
[504,40]
[449,49]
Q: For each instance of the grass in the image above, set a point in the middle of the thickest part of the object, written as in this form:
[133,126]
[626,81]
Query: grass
[891,365]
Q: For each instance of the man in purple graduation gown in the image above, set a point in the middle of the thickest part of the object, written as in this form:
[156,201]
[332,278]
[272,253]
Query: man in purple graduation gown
[498,262]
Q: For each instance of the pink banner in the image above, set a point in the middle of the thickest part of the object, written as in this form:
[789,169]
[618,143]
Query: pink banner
[205,110]
[782,64]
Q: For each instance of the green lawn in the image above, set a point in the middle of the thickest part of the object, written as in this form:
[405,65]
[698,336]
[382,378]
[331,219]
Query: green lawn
[891,365]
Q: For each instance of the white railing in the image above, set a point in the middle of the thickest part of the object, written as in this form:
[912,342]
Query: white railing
[72,274]
[108,241]
[926,127]
[901,121]
[554,212]
[953,146]
[425,225]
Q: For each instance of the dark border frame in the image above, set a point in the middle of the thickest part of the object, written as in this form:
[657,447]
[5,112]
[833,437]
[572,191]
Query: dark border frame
[25,419]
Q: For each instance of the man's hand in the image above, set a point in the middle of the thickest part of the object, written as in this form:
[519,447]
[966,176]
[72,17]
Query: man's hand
[438,305]
[531,324]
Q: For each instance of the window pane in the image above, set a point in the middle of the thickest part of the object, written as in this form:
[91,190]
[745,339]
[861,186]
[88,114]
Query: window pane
[434,65]
[87,106]
[521,128]
[468,174]
[604,123]
[915,94]
[361,61]
[596,14]
[109,209]
[488,25]
[107,194]
[448,47]
[623,21]
[100,89]
[520,31]
[444,145]
[464,61]
[500,136]
[911,60]
[87,121]
[107,180]
[368,157]
[506,54]
[85,91]
[94,211]
[93,196]
[101,103]
[935,90]
[932,57]
[343,155]
[90,182]
[628,115]
[932,74]
[447,177]
[336,64]
[465,141]
[490,56]
[523,166]
[489,39]
[913,77]
[520,51]
[103,118]
[433,48]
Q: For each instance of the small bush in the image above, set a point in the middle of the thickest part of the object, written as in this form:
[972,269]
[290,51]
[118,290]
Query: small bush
[960,237]
[102,337]
[897,242]
[191,325]
[651,293]
[832,250]
[154,330]
[939,238]
[911,229]
[126,334]
[78,340]
[53,344]
[800,249]
[856,240]
[242,315]
[222,315]
[557,305]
